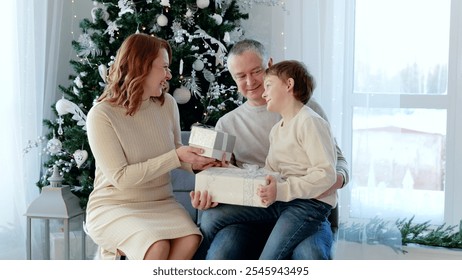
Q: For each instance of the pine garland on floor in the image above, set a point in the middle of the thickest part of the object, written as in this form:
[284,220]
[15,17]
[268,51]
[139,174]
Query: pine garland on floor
[448,236]
[402,232]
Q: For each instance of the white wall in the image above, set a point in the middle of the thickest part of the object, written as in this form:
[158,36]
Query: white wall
[266,25]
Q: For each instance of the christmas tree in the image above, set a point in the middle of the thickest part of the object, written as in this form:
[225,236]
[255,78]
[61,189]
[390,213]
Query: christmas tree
[200,33]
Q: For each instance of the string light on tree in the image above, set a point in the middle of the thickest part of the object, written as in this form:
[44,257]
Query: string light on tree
[283,40]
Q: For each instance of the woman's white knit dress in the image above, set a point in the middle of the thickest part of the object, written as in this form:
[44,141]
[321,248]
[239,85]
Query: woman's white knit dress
[132,204]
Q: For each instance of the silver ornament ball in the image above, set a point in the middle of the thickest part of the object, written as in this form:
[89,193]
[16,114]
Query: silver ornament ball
[202,4]
[198,65]
[54,146]
[182,95]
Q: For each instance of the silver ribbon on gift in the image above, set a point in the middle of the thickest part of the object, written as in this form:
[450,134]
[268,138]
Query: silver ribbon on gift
[254,170]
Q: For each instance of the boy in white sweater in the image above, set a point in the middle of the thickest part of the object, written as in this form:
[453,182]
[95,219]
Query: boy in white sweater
[303,151]
[247,62]
[302,148]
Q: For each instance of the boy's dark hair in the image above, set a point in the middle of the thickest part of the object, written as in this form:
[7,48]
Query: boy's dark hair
[304,82]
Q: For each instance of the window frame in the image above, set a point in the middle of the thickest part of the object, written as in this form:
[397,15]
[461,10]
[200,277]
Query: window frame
[451,102]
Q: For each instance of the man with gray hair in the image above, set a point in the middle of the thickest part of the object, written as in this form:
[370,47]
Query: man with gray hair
[252,123]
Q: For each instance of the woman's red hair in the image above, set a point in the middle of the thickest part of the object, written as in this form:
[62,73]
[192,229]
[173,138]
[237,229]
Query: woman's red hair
[127,74]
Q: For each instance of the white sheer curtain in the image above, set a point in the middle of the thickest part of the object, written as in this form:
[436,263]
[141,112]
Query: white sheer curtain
[314,34]
[29,86]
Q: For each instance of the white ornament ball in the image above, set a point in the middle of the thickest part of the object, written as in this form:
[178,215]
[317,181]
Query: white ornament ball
[201,4]
[162,20]
[218,19]
[209,76]
[54,146]
[182,95]
[198,65]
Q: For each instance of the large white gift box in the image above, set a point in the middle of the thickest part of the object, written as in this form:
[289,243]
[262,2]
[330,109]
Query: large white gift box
[232,185]
[214,142]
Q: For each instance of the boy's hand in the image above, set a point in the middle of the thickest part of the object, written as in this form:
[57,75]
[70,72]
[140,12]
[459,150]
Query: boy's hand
[268,192]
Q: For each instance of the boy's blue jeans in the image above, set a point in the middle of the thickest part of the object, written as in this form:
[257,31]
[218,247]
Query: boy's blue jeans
[297,229]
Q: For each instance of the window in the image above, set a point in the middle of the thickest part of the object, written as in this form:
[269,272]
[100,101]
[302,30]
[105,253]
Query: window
[401,110]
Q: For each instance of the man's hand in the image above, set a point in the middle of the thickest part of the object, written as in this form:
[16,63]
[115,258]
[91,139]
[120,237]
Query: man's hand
[202,201]
[337,185]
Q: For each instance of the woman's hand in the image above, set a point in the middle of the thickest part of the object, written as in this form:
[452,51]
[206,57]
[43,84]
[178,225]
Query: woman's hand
[215,163]
[268,192]
[193,156]
[202,201]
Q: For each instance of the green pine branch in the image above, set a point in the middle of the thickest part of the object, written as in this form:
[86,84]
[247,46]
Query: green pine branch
[425,234]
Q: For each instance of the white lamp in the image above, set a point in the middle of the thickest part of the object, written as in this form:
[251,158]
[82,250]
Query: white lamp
[55,202]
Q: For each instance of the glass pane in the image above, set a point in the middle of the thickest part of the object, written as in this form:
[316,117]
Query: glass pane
[401,46]
[398,163]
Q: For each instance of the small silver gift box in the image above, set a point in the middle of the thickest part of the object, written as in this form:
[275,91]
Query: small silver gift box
[214,143]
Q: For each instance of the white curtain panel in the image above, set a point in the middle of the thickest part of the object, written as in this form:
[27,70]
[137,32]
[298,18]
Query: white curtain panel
[314,33]
[28,79]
